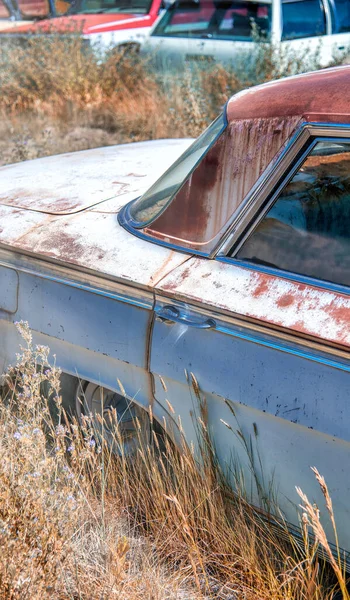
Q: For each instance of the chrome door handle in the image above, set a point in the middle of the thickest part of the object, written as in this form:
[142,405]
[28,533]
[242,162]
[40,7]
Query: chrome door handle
[171,313]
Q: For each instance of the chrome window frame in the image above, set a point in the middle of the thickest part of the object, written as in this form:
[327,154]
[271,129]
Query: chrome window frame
[266,192]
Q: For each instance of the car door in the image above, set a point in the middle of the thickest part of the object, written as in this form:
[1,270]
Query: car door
[265,332]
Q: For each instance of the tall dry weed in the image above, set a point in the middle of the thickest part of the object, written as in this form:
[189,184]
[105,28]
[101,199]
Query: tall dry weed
[80,521]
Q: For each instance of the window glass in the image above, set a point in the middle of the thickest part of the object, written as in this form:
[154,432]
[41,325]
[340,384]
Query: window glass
[221,19]
[303,18]
[343,15]
[110,6]
[147,208]
[307,230]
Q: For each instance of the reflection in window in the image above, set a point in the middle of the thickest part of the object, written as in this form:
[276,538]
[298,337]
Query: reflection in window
[111,6]
[343,14]
[307,230]
[218,19]
[303,18]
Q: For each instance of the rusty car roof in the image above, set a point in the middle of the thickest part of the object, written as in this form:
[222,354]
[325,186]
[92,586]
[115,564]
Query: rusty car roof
[260,122]
[321,96]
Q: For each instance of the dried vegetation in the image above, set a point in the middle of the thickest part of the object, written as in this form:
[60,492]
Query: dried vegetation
[56,95]
[77,522]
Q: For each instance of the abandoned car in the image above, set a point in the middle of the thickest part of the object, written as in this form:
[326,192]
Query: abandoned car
[234,265]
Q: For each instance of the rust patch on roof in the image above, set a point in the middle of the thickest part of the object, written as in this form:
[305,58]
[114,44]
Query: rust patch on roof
[318,96]
[285,300]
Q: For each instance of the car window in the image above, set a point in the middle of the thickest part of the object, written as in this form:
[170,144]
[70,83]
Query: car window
[343,15]
[223,19]
[303,18]
[110,6]
[307,230]
[149,206]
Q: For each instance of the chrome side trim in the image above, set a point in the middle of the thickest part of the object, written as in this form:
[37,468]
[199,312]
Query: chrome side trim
[124,219]
[272,176]
[77,278]
[284,529]
[266,335]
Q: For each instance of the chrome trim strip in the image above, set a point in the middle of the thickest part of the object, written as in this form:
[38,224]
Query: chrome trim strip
[125,221]
[74,277]
[271,177]
[289,350]
[266,335]
[334,14]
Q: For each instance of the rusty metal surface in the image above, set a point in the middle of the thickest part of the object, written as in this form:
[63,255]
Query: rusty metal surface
[92,239]
[216,188]
[272,300]
[319,96]
[70,182]
[261,120]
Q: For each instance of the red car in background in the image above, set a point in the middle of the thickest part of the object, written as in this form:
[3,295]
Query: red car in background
[108,22]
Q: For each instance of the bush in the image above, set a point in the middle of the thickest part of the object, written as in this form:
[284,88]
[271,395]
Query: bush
[55,83]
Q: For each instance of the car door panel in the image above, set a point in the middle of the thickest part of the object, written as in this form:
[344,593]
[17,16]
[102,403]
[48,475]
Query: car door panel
[98,330]
[286,394]
[316,50]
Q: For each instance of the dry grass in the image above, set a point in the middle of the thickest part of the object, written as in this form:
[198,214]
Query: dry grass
[57,96]
[78,522]
[68,99]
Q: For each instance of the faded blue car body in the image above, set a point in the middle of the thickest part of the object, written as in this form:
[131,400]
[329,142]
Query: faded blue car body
[148,292]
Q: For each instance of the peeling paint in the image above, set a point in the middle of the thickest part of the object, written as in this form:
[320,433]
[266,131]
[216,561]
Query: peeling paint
[91,239]
[298,307]
[307,96]
[68,183]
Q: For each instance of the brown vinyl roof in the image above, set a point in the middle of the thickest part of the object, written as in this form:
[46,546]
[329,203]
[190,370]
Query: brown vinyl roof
[321,96]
